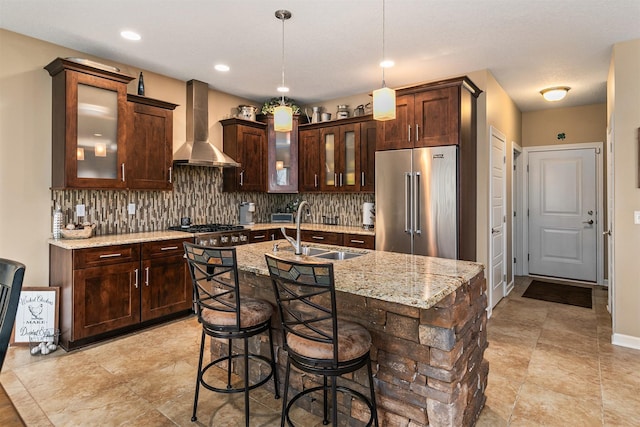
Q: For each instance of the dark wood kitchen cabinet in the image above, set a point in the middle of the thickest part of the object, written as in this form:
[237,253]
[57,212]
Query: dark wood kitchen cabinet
[326,237]
[89,108]
[309,160]
[109,290]
[429,115]
[149,143]
[166,286]
[246,142]
[256,236]
[103,138]
[338,156]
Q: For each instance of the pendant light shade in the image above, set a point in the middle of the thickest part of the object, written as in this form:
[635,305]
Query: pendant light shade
[384,104]
[384,99]
[283,115]
[282,118]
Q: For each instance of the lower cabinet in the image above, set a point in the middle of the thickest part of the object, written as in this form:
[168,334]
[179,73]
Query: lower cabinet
[109,290]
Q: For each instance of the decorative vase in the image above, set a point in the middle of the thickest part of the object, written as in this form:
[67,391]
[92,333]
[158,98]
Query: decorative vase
[141,85]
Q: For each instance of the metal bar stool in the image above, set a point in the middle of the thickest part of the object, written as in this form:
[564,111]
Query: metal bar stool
[316,341]
[11,277]
[224,314]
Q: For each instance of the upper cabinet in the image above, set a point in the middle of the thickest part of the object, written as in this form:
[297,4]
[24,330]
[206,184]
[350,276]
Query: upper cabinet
[282,158]
[246,142]
[149,143]
[268,159]
[96,141]
[338,156]
[429,115]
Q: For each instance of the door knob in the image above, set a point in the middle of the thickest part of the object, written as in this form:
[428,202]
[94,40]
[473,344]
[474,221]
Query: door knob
[606,233]
[495,230]
[590,222]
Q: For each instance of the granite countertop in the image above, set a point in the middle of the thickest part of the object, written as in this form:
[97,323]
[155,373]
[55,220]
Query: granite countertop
[119,239]
[315,227]
[412,280]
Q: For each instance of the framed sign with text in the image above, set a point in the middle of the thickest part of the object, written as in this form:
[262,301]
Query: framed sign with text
[37,314]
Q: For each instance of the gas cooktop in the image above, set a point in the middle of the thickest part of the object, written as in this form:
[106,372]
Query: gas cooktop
[207,228]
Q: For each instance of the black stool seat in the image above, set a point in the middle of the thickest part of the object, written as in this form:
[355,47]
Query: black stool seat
[224,314]
[316,341]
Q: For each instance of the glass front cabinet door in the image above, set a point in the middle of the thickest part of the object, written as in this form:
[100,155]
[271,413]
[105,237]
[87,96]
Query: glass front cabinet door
[88,126]
[340,164]
[282,158]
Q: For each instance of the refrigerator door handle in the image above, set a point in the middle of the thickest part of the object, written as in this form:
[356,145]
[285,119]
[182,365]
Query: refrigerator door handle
[416,204]
[407,201]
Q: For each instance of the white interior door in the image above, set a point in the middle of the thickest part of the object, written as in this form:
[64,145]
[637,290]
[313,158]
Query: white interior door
[563,214]
[497,240]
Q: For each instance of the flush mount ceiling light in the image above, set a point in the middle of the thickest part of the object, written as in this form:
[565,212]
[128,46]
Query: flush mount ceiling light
[555,93]
[282,114]
[130,35]
[384,99]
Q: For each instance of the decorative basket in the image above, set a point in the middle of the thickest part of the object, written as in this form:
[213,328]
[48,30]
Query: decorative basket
[84,233]
[44,342]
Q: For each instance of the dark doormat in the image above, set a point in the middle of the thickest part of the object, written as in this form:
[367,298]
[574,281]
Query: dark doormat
[563,294]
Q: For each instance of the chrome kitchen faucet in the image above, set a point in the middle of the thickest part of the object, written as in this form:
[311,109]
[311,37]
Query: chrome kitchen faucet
[296,243]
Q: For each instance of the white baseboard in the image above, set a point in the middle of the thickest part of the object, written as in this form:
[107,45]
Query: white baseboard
[509,288]
[626,341]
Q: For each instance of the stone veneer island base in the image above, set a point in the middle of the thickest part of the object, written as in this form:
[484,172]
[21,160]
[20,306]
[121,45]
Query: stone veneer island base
[427,318]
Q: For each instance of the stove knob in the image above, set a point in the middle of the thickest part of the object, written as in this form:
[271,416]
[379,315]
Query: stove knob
[243,238]
[213,241]
[235,239]
[202,242]
[224,239]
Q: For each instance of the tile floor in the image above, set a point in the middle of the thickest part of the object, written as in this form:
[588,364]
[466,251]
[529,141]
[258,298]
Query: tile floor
[550,364]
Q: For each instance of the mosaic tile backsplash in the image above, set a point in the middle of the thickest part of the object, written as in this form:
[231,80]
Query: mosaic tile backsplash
[197,193]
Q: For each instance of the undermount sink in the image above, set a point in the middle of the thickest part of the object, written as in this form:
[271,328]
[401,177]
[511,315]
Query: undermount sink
[325,253]
[338,255]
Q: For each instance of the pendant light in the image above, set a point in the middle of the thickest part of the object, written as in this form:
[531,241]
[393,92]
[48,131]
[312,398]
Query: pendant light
[384,99]
[283,115]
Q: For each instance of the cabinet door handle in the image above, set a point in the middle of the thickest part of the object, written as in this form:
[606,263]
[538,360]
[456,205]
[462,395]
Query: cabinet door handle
[241,178]
[417,132]
[110,255]
[362,179]
[357,241]
[409,134]
[170,175]
[315,179]
[335,179]
[122,166]
[168,248]
[260,236]
[340,179]
[317,237]
[136,283]
[146,280]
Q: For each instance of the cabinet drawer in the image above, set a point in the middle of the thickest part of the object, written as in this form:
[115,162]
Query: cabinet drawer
[360,241]
[325,237]
[265,235]
[164,248]
[105,255]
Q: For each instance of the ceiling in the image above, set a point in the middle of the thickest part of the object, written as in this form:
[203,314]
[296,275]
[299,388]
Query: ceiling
[333,47]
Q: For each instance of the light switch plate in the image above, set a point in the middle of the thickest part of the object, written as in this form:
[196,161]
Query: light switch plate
[131,208]
[636,217]
[80,210]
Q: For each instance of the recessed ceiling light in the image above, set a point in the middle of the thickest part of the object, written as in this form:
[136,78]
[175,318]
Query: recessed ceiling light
[221,67]
[555,93]
[283,89]
[130,35]
[387,63]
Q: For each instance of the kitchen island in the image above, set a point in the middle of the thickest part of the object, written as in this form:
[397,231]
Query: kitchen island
[427,320]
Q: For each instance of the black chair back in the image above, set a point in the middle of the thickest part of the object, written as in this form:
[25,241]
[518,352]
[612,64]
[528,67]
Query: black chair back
[214,273]
[11,277]
[306,297]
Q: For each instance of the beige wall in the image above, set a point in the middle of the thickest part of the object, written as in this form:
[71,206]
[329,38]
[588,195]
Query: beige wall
[623,112]
[25,142]
[580,124]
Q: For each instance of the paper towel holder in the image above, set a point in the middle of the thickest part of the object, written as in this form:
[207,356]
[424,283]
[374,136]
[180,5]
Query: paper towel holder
[368,215]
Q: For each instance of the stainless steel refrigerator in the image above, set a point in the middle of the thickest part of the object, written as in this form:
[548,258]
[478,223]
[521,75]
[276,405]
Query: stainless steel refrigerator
[416,201]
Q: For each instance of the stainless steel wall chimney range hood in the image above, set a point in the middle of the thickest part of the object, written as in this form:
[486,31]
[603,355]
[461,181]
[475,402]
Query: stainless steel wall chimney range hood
[198,151]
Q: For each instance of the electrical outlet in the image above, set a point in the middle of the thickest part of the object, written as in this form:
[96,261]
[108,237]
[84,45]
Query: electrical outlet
[636,217]
[131,208]
[80,210]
